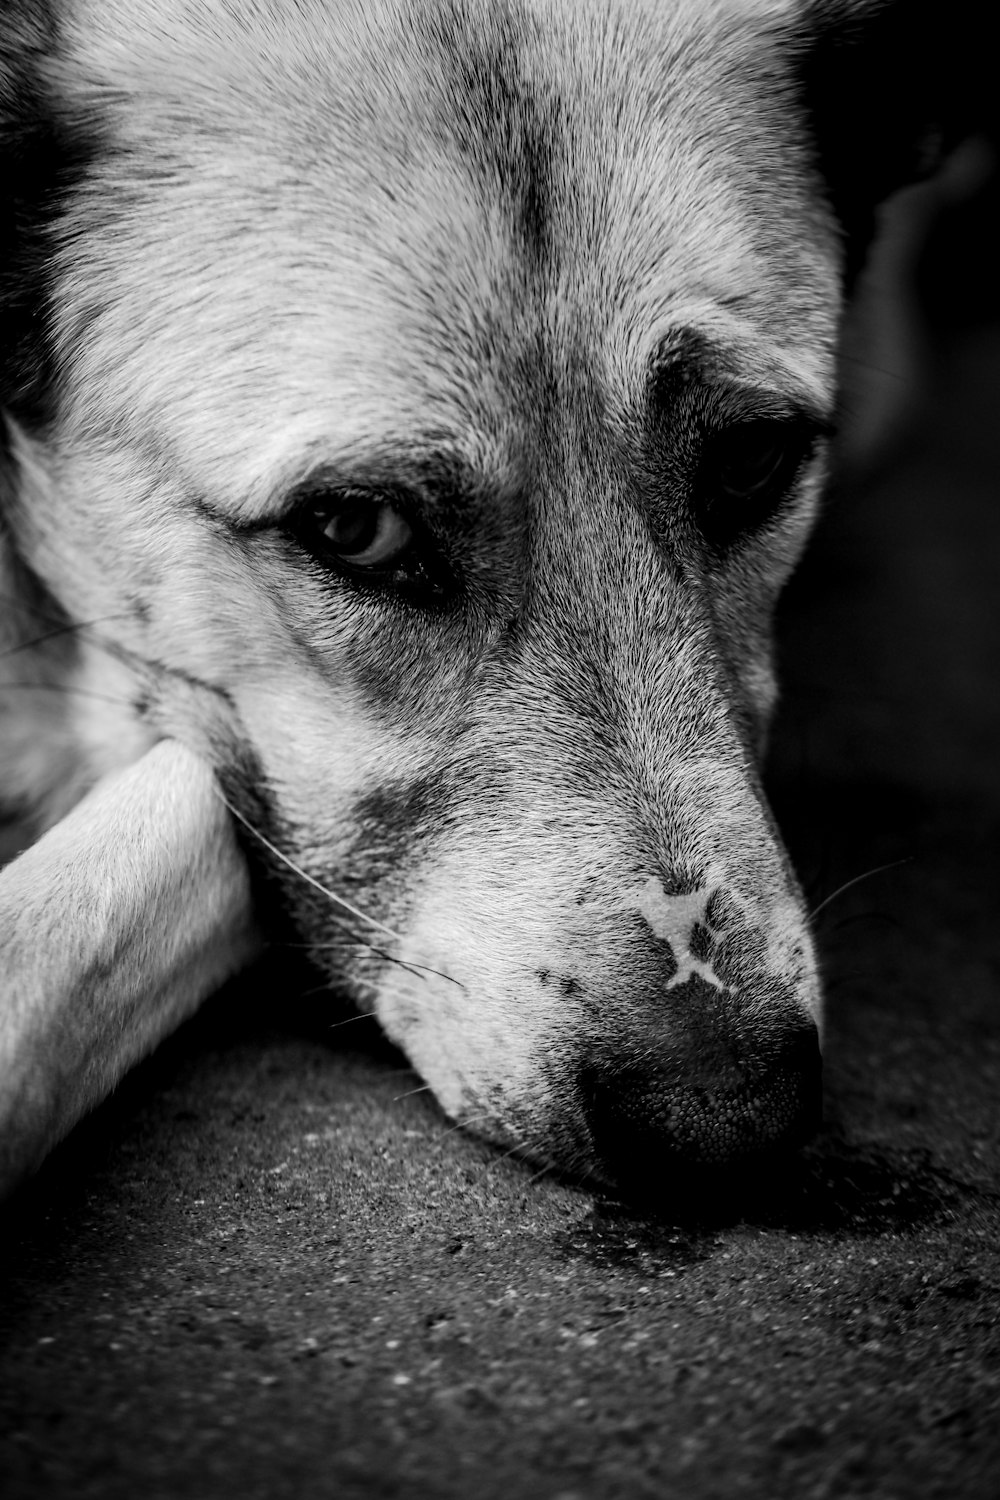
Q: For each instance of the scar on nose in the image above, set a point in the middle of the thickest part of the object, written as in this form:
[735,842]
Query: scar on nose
[679,921]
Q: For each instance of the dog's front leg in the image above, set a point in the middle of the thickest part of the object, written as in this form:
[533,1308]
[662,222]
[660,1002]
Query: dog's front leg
[113,928]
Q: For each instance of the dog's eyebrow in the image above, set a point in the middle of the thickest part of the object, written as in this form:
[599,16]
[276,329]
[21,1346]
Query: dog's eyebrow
[769,380]
[428,471]
[690,354]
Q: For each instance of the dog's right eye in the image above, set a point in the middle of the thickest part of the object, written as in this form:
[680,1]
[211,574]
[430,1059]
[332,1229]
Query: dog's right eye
[361,531]
[368,537]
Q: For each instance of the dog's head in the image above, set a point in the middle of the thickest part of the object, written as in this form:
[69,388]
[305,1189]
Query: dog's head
[418,408]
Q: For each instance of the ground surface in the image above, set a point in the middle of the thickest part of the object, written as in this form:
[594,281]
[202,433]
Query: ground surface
[268,1269]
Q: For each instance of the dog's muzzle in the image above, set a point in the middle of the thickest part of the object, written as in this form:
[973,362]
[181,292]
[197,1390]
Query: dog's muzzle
[719,1091]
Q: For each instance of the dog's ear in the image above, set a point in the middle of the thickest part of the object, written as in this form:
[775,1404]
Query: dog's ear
[889,87]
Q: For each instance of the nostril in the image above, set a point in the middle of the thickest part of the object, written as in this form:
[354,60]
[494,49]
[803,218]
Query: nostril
[714,1110]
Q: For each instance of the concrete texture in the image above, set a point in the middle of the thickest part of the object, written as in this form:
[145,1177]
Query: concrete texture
[270,1268]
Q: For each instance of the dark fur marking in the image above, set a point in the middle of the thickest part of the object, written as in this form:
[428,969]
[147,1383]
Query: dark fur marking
[666,959]
[506,131]
[403,812]
[391,828]
[682,883]
[722,911]
[701,942]
[569,986]
[372,875]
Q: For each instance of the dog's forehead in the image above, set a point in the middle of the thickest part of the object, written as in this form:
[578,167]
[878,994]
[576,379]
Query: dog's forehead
[382,215]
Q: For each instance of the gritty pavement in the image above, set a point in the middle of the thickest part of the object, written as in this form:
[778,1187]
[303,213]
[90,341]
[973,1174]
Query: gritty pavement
[269,1267]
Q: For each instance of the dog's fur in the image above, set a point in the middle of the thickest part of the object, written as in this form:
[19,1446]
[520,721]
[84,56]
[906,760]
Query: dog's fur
[94,975]
[548,278]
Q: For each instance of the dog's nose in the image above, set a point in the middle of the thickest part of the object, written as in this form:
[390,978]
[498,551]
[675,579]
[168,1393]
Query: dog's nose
[685,1106]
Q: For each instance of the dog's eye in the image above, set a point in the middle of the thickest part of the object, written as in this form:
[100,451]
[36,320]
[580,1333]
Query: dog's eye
[745,472]
[360,531]
[372,541]
[752,458]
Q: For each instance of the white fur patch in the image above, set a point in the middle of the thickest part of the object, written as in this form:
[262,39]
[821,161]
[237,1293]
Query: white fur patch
[672,920]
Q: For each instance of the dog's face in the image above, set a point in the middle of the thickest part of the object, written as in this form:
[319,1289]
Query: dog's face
[439,405]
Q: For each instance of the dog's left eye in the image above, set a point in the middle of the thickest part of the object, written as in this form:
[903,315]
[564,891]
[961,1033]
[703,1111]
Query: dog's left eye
[745,472]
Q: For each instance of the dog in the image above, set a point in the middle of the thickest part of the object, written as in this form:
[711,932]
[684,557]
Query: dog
[412,413]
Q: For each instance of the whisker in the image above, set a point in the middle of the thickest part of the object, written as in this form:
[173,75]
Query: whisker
[336,945]
[514,1153]
[127,656]
[70,627]
[419,970]
[119,700]
[463,1124]
[318,989]
[308,947]
[867,874]
[876,368]
[342,944]
[349,941]
[422,970]
[309,879]
[59,625]
[30,606]
[547,1169]
[424,1088]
